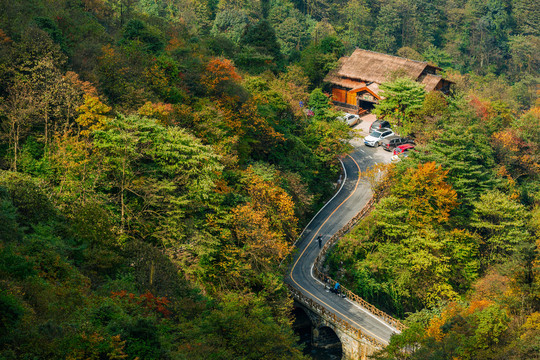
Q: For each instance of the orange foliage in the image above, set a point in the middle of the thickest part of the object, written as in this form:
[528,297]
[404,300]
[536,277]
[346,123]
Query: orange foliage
[477,305]
[147,301]
[174,43]
[483,109]
[244,120]
[218,71]
[434,328]
[4,39]
[507,139]
[429,196]
[222,187]
[85,86]
[266,225]
[514,151]
[158,111]
[491,286]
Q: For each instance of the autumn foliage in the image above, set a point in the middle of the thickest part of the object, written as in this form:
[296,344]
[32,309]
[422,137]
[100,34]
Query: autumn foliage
[92,115]
[219,71]
[427,193]
[148,303]
[265,225]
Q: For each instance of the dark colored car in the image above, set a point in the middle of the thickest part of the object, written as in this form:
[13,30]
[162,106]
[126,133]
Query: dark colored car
[391,142]
[379,124]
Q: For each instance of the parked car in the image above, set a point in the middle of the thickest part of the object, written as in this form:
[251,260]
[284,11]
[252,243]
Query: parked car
[401,151]
[379,124]
[375,137]
[350,119]
[391,142]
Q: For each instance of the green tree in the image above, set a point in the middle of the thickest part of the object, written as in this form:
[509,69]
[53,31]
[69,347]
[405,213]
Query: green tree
[118,146]
[10,231]
[320,57]
[150,38]
[319,103]
[357,16]
[386,31]
[402,100]
[292,27]
[502,224]
[231,24]
[158,176]
[261,49]
[465,153]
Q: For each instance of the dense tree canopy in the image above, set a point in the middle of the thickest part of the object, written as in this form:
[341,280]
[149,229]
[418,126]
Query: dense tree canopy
[158,159]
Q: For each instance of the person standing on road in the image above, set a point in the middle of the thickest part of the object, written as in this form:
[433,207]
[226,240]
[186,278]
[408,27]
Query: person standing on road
[319,239]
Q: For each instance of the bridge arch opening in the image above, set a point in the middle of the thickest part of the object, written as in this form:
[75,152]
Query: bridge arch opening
[318,342]
[301,318]
[325,337]
[303,327]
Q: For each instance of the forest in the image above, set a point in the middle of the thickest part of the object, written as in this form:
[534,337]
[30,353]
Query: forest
[158,161]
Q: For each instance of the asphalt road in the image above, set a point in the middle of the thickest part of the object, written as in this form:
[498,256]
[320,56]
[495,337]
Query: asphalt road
[348,201]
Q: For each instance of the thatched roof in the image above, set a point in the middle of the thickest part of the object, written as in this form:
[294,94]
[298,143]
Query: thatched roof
[374,87]
[334,78]
[431,81]
[370,66]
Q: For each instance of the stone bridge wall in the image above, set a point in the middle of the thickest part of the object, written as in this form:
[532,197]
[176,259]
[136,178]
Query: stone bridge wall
[322,276]
[355,344]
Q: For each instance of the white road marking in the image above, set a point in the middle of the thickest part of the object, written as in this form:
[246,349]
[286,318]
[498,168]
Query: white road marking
[328,202]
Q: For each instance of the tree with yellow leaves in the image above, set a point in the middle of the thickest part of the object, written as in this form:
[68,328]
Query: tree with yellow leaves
[265,226]
[92,115]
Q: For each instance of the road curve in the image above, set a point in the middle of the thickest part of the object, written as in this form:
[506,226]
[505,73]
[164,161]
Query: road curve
[348,201]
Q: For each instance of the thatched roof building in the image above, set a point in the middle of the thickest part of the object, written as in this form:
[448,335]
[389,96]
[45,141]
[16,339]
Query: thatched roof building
[355,81]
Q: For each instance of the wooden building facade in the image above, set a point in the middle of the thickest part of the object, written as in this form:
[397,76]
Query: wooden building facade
[355,81]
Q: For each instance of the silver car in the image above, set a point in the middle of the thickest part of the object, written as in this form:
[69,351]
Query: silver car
[376,136]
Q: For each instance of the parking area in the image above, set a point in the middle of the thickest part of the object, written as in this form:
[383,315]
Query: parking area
[362,130]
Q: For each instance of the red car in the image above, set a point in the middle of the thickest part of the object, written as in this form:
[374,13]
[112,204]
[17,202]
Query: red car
[402,149]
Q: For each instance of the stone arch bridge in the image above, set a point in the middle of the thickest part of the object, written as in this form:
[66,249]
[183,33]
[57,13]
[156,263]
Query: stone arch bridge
[359,327]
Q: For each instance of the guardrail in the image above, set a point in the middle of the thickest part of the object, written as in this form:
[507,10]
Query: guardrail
[319,273]
[342,324]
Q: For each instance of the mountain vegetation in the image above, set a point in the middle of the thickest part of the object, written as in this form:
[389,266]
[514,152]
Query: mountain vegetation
[158,159]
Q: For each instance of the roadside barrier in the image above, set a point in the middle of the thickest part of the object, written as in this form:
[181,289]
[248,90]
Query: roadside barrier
[342,324]
[319,272]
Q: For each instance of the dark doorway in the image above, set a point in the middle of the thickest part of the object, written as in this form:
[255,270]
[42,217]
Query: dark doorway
[366,105]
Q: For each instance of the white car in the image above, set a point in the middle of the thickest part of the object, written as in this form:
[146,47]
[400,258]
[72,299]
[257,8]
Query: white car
[374,139]
[350,119]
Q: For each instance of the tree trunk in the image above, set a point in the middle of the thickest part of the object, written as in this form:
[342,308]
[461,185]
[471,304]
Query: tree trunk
[16,146]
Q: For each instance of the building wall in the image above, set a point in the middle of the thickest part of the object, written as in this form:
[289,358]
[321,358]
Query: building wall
[351,98]
[339,95]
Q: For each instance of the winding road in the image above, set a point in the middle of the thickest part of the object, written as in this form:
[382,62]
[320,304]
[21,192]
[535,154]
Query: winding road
[347,202]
